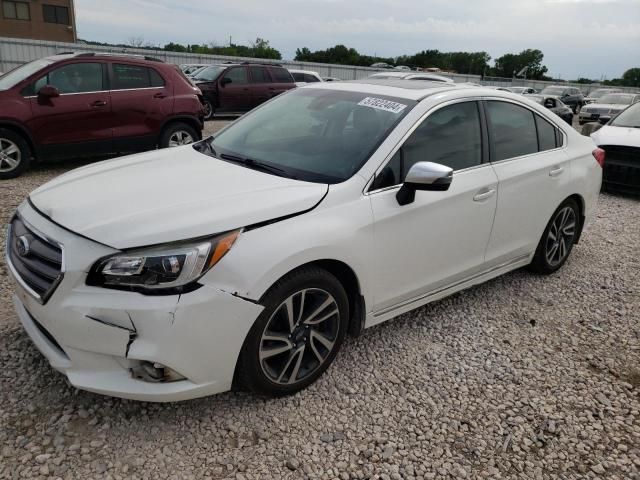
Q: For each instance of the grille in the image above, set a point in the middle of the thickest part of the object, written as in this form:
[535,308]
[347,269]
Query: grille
[36,261]
[622,168]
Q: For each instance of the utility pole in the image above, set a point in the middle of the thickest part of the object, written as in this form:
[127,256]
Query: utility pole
[230,40]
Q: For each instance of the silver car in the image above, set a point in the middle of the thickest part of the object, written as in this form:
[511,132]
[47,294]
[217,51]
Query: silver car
[607,106]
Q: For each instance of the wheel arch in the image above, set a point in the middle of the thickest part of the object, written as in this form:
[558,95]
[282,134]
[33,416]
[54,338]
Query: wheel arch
[192,121]
[22,131]
[582,206]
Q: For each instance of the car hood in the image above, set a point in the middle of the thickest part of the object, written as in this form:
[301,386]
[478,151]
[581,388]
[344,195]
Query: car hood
[169,195]
[610,135]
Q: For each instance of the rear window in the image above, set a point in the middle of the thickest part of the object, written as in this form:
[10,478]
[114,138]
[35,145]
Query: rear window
[282,75]
[135,76]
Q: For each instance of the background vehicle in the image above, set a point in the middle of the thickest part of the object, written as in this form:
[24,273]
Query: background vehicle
[324,212]
[91,104]
[570,96]
[432,77]
[402,67]
[302,77]
[607,106]
[191,68]
[522,90]
[555,105]
[236,88]
[382,65]
[595,95]
[620,139]
[331,79]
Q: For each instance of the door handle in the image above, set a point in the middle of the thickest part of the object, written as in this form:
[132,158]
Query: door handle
[99,103]
[556,171]
[160,95]
[483,195]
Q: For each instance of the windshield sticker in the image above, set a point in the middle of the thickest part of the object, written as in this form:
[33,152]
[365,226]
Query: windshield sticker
[382,104]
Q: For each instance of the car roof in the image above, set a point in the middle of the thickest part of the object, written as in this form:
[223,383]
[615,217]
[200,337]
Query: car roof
[104,55]
[310,72]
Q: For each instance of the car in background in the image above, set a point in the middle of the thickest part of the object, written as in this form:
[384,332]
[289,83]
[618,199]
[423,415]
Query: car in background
[431,77]
[620,139]
[522,90]
[555,105]
[502,89]
[570,96]
[191,68]
[193,73]
[595,95]
[402,67]
[248,258]
[236,88]
[331,79]
[302,77]
[382,65]
[89,104]
[607,106]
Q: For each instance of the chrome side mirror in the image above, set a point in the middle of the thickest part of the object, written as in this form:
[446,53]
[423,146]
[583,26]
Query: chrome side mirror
[424,176]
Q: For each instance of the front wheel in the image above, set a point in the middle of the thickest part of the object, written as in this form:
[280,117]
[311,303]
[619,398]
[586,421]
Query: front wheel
[15,154]
[297,335]
[208,110]
[557,240]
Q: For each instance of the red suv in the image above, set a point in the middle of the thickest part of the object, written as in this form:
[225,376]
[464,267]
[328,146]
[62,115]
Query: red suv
[92,104]
[233,88]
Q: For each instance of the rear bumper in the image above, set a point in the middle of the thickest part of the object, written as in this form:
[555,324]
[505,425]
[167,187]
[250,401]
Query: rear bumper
[621,171]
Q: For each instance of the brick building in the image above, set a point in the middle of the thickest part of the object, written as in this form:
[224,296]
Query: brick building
[38,19]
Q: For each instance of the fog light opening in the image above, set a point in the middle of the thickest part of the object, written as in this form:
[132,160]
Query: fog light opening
[155,373]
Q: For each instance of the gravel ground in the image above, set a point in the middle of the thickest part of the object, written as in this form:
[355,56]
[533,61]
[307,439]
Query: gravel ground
[523,377]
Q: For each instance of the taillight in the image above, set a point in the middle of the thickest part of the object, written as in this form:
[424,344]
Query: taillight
[599,155]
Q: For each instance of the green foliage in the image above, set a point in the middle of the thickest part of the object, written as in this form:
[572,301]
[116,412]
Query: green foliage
[511,63]
[338,55]
[258,49]
[630,78]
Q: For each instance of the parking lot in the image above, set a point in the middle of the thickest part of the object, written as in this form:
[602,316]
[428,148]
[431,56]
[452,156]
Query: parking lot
[523,377]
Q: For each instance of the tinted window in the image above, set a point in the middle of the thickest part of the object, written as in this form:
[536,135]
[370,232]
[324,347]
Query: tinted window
[74,78]
[546,134]
[55,14]
[156,79]
[281,75]
[130,76]
[298,77]
[237,75]
[513,130]
[450,136]
[310,78]
[259,75]
[391,174]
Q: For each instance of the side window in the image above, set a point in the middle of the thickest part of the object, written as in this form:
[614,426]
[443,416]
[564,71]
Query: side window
[513,130]
[238,75]
[74,78]
[298,77]
[259,75]
[281,75]
[310,78]
[130,76]
[546,134]
[156,79]
[450,136]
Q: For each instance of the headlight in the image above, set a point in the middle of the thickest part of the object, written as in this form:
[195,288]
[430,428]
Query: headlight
[170,266]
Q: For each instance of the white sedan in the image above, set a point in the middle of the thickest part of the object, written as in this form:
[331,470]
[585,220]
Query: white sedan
[246,259]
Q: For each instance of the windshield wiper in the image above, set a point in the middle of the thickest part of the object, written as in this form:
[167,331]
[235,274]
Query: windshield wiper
[256,165]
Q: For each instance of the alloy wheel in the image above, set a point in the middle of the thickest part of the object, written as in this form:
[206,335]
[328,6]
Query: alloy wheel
[299,336]
[10,155]
[180,137]
[208,110]
[560,236]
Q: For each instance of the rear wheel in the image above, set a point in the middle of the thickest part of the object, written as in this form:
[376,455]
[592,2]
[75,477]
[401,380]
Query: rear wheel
[297,335]
[558,239]
[177,134]
[15,154]
[208,110]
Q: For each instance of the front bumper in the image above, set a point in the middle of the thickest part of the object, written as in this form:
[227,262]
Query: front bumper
[98,336]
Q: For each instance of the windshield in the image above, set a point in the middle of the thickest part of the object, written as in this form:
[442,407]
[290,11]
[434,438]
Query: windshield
[553,91]
[600,92]
[617,98]
[315,135]
[10,79]
[209,73]
[628,118]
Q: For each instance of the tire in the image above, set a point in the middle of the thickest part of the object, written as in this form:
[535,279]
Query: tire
[177,134]
[289,360]
[15,154]
[551,254]
[209,111]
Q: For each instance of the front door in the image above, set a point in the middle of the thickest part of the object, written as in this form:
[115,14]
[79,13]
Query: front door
[234,92]
[441,237]
[80,120]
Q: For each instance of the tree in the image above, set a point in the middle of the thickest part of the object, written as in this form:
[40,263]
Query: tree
[136,42]
[511,63]
[631,78]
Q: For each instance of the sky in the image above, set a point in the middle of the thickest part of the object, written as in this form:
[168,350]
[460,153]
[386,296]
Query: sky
[579,38]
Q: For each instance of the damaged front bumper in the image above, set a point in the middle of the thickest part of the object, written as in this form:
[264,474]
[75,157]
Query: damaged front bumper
[129,345]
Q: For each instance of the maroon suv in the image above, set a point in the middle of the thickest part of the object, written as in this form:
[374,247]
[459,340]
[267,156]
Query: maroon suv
[92,104]
[233,88]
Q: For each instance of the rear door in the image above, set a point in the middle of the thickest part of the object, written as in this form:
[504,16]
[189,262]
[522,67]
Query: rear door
[80,120]
[260,85]
[142,100]
[282,81]
[234,92]
[534,175]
